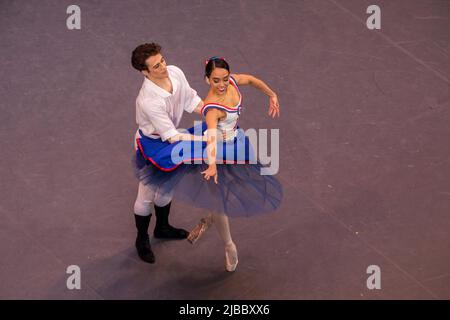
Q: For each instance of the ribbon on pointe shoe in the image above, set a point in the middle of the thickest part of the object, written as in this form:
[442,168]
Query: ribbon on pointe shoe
[231,257]
[199,230]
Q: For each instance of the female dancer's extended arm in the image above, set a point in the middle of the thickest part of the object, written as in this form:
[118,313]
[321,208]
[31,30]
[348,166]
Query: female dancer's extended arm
[212,117]
[247,79]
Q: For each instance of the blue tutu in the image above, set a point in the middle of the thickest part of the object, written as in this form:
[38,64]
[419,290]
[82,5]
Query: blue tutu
[177,167]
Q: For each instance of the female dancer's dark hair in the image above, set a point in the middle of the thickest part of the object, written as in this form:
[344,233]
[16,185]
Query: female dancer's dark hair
[215,62]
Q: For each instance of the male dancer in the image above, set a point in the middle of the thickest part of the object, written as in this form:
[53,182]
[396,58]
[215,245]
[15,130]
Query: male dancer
[163,97]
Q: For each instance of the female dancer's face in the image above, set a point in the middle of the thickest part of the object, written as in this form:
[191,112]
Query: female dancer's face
[219,80]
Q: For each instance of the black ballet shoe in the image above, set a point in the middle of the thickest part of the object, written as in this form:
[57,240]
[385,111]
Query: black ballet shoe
[169,232]
[163,230]
[144,249]
[142,240]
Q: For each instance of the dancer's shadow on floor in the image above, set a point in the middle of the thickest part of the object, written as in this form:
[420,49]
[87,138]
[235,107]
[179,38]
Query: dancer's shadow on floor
[181,271]
[202,283]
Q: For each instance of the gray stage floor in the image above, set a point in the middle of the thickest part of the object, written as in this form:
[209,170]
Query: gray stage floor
[364,149]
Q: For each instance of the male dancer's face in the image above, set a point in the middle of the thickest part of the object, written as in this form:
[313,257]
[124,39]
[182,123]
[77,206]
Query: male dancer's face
[157,67]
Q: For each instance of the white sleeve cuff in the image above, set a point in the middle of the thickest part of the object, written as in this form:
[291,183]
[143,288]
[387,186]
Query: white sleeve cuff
[169,134]
[194,103]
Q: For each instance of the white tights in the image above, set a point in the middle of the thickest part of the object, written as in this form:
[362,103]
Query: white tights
[146,195]
[222,225]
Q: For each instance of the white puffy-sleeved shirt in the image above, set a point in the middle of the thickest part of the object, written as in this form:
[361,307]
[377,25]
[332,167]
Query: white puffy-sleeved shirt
[158,112]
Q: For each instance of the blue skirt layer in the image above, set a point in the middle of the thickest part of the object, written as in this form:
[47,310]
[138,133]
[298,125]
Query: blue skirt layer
[241,189]
[168,156]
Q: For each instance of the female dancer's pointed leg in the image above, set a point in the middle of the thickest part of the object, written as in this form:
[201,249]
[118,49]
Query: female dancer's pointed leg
[223,227]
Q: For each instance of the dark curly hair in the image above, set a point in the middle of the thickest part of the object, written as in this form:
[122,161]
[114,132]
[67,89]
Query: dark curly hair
[215,62]
[141,53]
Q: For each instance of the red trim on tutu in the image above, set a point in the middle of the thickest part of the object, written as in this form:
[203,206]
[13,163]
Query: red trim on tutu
[153,161]
[141,149]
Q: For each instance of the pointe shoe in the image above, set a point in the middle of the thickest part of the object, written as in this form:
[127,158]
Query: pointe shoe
[199,230]
[231,257]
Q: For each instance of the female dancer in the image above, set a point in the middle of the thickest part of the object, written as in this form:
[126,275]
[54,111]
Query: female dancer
[227,157]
